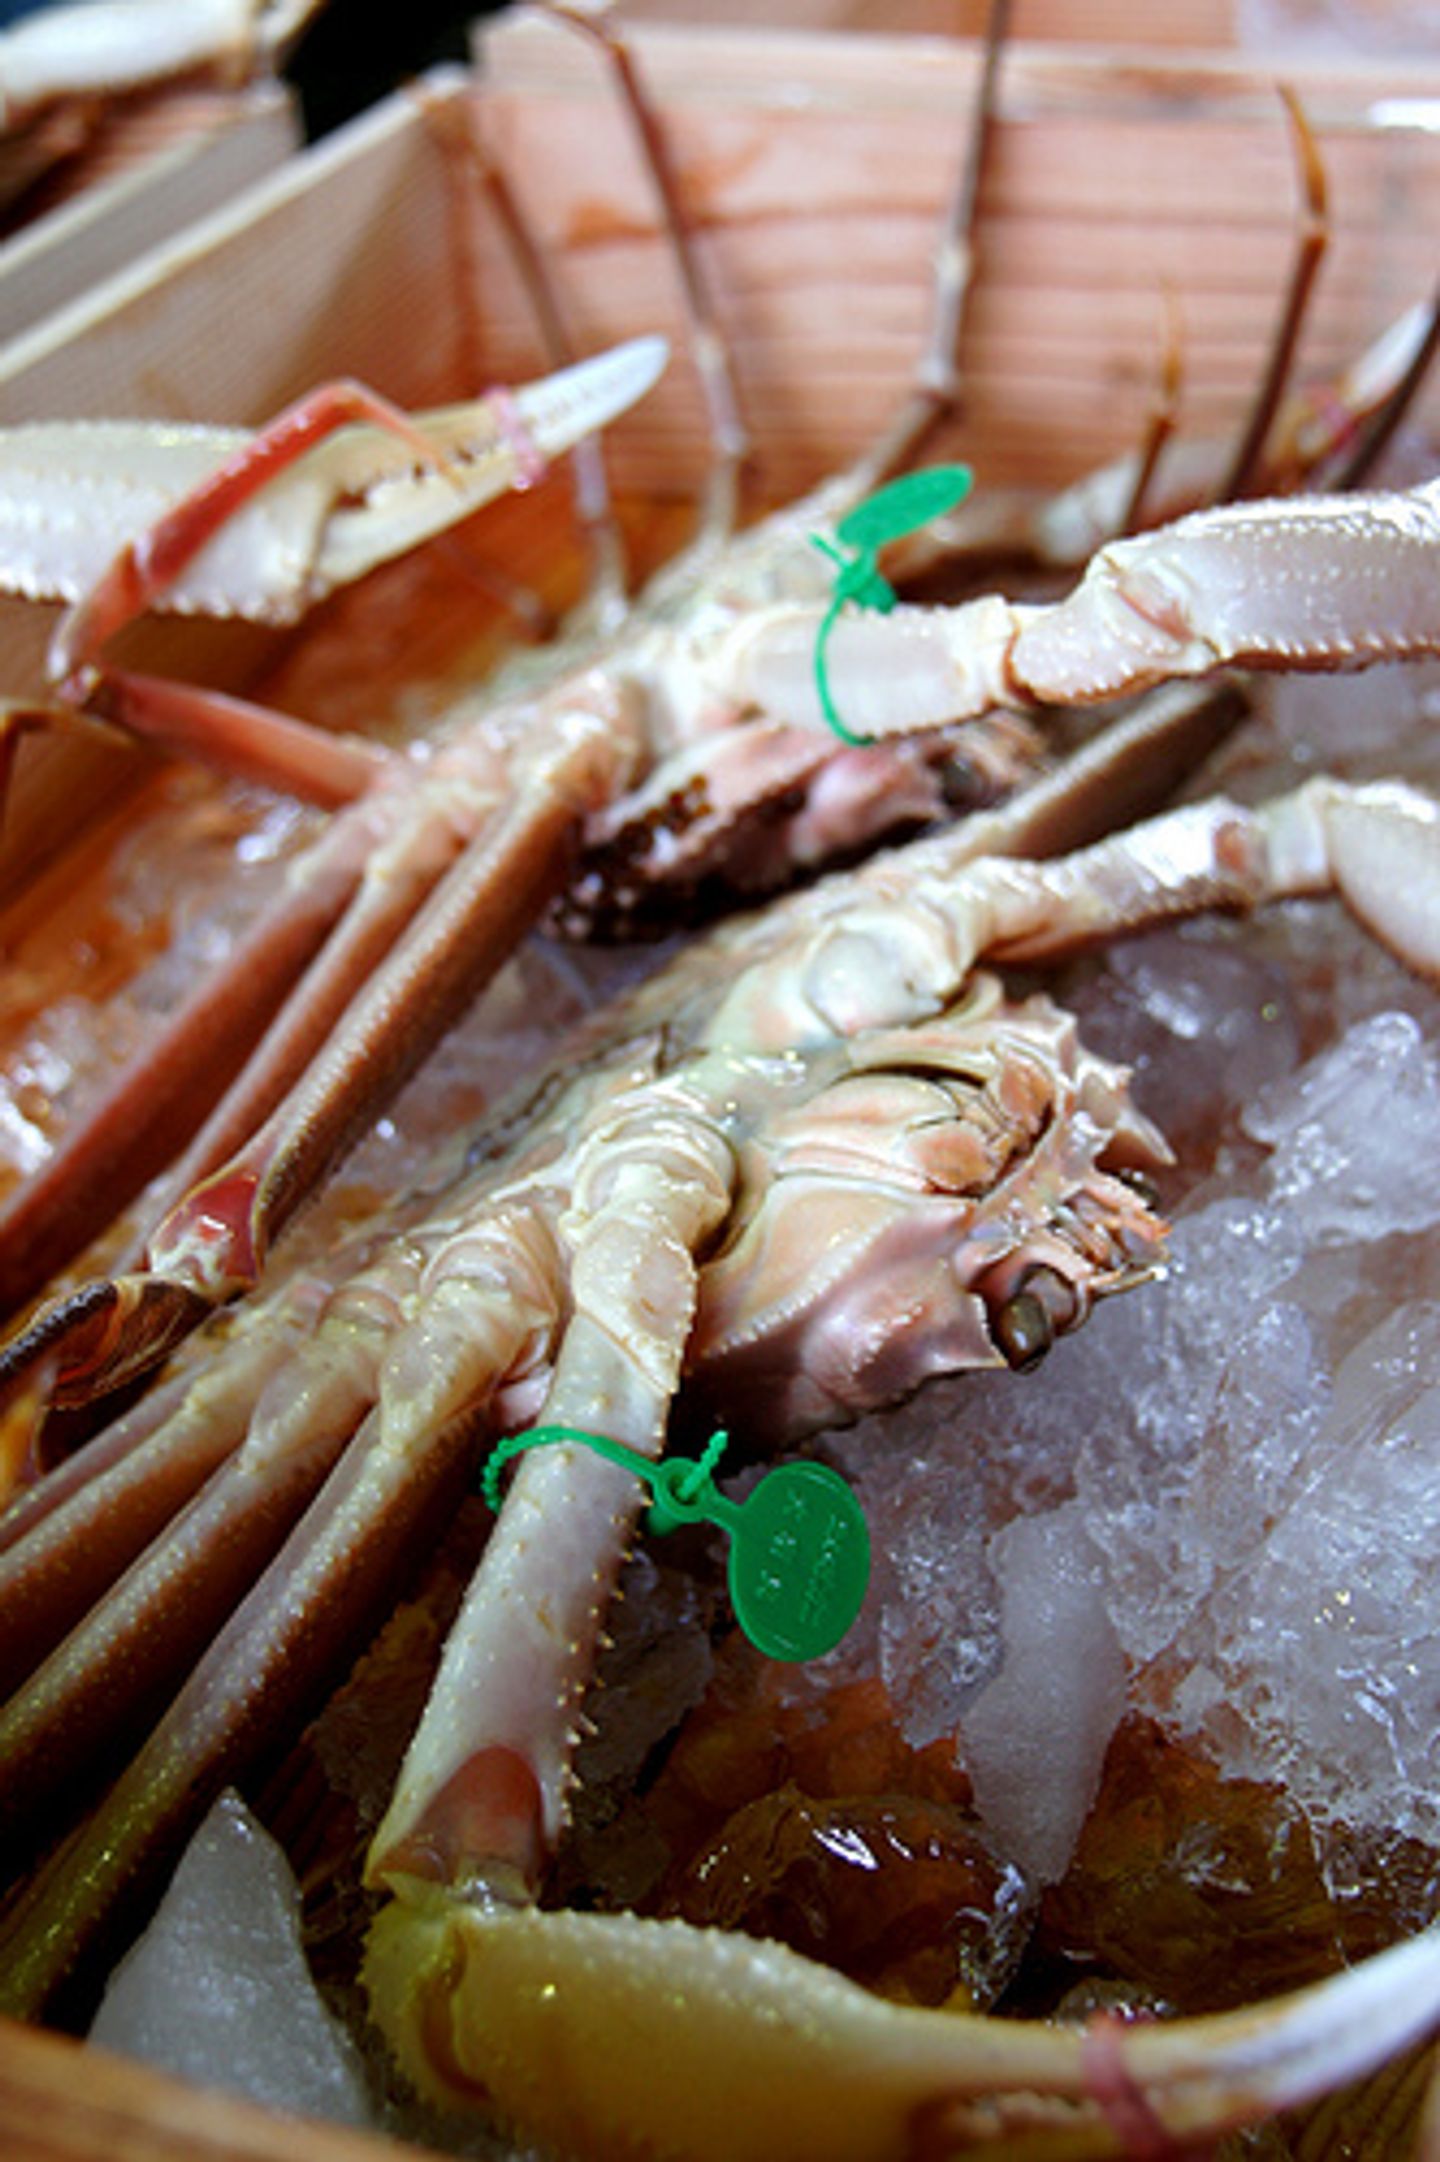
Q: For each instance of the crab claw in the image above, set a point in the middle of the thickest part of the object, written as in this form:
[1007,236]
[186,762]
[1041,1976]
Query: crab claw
[101,1336]
[614,2037]
[123,515]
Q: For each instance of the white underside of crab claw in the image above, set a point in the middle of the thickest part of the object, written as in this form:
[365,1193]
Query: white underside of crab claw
[1385,859]
[611,2037]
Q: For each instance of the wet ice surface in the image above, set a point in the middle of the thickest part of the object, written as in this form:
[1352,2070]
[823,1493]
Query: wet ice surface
[218,1991]
[1242,1461]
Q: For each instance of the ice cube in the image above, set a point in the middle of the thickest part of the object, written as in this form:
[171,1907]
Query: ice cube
[217,1990]
[1353,1133]
[1035,1738]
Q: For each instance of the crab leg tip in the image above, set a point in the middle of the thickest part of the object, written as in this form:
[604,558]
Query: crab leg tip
[575,401]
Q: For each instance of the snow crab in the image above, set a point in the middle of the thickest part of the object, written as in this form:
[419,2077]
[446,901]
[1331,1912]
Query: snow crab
[819,1156]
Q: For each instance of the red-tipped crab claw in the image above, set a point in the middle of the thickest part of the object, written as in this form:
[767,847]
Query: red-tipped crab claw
[336,486]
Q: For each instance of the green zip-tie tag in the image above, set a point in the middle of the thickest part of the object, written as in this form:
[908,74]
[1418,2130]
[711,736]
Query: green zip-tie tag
[889,514]
[799,1559]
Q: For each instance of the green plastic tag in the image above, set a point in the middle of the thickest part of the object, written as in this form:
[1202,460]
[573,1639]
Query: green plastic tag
[799,1544]
[887,515]
[799,1561]
[902,505]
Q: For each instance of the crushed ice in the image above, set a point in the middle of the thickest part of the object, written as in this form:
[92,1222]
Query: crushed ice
[217,1990]
[1236,1469]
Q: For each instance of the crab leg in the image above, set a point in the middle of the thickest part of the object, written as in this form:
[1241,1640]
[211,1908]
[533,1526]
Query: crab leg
[64,1541]
[608,2036]
[125,1659]
[484,1318]
[1313,239]
[1305,583]
[130,1132]
[483,1787]
[729,437]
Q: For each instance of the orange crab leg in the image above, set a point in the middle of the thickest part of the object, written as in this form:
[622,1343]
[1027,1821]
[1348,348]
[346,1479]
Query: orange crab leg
[69,1537]
[122,1662]
[215,1240]
[487,1314]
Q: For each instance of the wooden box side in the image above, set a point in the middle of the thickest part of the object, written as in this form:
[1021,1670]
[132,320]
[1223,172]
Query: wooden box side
[814,170]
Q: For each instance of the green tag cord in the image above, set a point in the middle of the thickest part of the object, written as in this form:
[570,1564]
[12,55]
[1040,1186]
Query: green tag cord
[888,515]
[799,1545]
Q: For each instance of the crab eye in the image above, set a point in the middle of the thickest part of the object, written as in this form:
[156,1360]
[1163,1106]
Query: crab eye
[1023,1330]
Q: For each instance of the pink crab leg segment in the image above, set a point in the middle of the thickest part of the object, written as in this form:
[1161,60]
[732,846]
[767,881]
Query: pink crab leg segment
[1312,583]
[482,1794]
[131,1130]
[132,1649]
[215,1239]
[68,1538]
[482,1315]
[245,741]
[611,2037]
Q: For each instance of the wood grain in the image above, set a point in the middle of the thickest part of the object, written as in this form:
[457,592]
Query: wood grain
[61,2102]
[814,170]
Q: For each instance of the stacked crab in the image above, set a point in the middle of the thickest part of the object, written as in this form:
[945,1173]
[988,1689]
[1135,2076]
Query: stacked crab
[817,1158]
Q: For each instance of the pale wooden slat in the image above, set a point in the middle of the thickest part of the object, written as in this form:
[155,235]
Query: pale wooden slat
[1079,22]
[59,2103]
[815,168]
[230,142]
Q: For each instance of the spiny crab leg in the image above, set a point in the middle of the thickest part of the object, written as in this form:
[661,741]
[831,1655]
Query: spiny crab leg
[476,1796]
[1301,583]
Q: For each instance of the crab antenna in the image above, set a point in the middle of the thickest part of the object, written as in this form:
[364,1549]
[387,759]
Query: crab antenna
[1311,242]
[729,436]
[935,393]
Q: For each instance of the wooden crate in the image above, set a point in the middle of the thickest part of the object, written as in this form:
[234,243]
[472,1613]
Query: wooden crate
[229,142]
[814,168]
